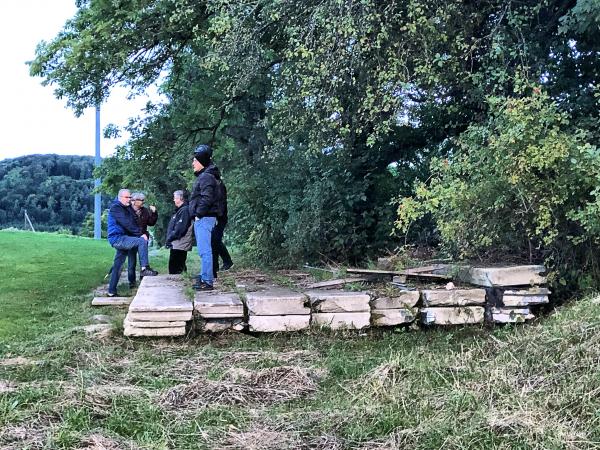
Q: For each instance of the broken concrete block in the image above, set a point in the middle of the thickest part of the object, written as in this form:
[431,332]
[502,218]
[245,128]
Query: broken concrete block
[401,300]
[278,323]
[452,316]
[510,315]
[160,298]
[221,325]
[339,301]
[503,276]
[453,297]
[152,324]
[165,316]
[134,331]
[111,301]
[390,317]
[337,321]
[276,302]
[214,304]
[525,297]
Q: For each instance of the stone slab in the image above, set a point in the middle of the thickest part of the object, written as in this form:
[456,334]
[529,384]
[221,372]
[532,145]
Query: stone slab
[153,324]
[339,301]
[164,332]
[452,316]
[162,280]
[337,321]
[221,325]
[276,302]
[222,315]
[510,315]
[453,297]
[165,316]
[111,301]
[279,323]
[525,297]
[218,303]
[401,300]
[160,298]
[390,317]
[503,276]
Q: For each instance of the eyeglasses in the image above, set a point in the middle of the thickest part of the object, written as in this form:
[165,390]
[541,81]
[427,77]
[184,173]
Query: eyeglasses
[127,196]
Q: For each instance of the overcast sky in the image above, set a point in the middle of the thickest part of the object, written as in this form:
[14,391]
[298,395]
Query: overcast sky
[32,120]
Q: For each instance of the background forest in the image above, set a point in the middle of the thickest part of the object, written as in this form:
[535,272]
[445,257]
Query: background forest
[348,128]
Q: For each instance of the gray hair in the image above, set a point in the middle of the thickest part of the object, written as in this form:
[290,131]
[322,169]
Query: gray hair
[138,196]
[179,194]
[123,191]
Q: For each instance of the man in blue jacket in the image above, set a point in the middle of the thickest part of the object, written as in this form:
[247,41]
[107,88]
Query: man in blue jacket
[124,234]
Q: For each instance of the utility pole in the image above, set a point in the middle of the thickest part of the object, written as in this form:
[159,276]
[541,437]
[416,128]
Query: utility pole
[97,196]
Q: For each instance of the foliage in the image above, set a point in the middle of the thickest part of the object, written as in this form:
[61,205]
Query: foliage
[56,191]
[523,184]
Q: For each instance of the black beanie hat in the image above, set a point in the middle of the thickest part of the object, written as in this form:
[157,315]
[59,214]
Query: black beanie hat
[203,153]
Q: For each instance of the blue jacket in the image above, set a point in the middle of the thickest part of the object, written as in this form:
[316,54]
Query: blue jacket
[121,222]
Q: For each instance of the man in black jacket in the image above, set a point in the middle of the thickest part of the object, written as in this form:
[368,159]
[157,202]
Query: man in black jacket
[204,210]
[180,234]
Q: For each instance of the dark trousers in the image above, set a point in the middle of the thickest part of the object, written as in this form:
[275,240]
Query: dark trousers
[218,248]
[115,270]
[177,259]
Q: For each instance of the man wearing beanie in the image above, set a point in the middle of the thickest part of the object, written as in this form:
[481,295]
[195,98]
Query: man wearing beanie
[204,210]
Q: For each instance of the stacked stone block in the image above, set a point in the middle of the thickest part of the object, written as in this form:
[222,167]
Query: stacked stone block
[219,311]
[398,310]
[452,306]
[340,309]
[277,309]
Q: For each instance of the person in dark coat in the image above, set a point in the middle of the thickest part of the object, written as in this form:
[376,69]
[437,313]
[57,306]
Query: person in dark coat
[217,245]
[125,235]
[180,234]
[204,211]
[145,217]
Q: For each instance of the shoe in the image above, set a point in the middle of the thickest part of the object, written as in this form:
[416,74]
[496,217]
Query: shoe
[148,272]
[226,267]
[203,287]
[112,294]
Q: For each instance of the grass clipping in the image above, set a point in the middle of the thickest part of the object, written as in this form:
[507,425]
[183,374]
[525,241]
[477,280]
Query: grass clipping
[244,387]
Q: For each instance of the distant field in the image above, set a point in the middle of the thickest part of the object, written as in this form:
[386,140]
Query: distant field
[523,387]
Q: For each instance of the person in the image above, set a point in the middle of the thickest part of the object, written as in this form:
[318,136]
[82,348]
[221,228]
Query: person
[125,235]
[217,245]
[203,209]
[180,234]
[145,217]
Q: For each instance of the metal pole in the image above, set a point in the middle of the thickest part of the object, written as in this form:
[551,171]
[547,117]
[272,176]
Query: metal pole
[97,196]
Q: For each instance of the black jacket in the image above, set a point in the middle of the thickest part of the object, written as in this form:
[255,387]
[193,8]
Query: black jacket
[203,201]
[179,224]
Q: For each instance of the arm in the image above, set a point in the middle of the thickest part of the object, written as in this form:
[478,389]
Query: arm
[153,217]
[181,225]
[125,220]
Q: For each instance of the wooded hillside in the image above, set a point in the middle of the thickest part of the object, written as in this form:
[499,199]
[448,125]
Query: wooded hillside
[55,190]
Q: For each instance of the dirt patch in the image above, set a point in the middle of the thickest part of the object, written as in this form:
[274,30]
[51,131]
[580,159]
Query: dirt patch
[260,439]
[99,442]
[7,386]
[22,436]
[17,361]
[245,387]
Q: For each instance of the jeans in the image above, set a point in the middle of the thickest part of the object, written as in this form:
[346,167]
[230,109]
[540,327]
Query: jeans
[203,230]
[126,246]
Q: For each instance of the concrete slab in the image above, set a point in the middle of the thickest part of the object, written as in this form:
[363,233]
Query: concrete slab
[153,324]
[337,321]
[453,297]
[511,315]
[279,323]
[452,316]
[390,317]
[111,301]
[162,280]
[218,303]
[276,302]
[504,276]
[339,301]
[164,332]
[165,316]
[160,298]
[402,300]
[525,297]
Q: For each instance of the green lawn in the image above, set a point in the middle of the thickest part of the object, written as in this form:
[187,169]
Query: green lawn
[525,387]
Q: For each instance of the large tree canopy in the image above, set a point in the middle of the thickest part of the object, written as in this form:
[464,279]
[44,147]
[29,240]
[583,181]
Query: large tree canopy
[322,112]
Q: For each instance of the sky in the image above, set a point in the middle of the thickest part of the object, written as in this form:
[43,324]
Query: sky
[32,120]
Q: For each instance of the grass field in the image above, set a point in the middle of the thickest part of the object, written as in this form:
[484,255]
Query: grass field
[522,387]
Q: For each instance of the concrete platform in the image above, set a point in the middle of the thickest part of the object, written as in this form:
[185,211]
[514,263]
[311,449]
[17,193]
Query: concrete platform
[111,301]
[339,321]
[339,301]
[217,304]
[276,302]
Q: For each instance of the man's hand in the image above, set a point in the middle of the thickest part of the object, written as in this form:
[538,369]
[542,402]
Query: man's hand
[144,236]
[153,208]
